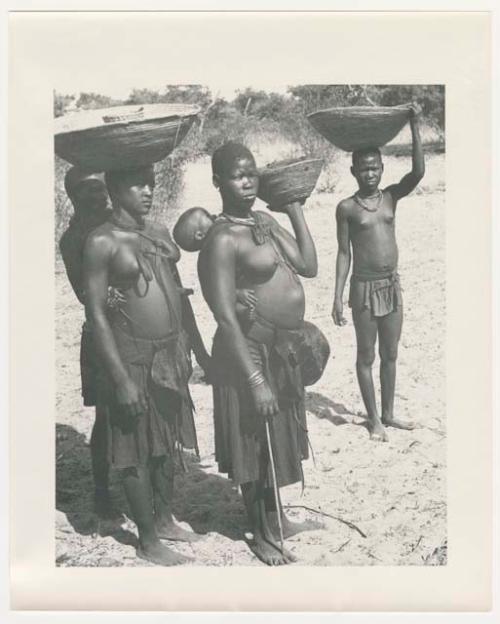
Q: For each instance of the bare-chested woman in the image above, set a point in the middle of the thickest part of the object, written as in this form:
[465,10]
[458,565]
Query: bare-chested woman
[144,354]
[256,373]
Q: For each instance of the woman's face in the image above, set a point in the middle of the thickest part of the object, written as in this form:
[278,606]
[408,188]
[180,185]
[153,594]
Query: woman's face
[239,183]
[136,192]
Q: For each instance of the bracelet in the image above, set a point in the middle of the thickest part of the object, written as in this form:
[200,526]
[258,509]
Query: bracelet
[256,379]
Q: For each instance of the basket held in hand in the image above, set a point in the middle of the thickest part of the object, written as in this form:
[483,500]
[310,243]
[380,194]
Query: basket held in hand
[356,127]
[288,181]
[122,136]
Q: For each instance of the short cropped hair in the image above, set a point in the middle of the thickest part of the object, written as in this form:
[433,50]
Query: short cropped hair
[114,177]
[357,155]
[225,155]
[74,177]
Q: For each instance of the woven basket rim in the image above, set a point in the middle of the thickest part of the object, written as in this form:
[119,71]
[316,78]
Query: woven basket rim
[361,109]
[90,119]
[282,165]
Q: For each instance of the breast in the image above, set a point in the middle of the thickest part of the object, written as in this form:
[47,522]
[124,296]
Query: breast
[259,264]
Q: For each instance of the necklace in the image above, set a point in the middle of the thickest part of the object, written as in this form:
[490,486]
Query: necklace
[238,220]
[129,228]
[358,199]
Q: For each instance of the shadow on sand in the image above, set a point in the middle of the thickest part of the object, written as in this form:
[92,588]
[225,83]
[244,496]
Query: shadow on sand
[209,503]
[322,407]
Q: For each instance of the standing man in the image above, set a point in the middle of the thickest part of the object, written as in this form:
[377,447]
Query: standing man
[144,357]
[366,222]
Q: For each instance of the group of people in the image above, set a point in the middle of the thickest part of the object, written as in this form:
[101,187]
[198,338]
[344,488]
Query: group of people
[140,331]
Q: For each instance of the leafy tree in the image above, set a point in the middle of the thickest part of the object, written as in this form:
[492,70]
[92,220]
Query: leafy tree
[95,100]
[61,103]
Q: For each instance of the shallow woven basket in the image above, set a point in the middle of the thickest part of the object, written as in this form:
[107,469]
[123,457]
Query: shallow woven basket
[356,127]
[122,136]
[288,180]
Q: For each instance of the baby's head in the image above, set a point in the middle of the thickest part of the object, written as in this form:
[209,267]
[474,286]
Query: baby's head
[192,227]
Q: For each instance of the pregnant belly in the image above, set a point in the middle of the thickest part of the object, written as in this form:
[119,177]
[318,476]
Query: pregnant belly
[147,312]
[281,300]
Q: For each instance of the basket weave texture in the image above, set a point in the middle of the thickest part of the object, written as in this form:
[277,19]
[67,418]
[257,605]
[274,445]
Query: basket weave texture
[122,136]
[356,127]
[288,181]
[313,352]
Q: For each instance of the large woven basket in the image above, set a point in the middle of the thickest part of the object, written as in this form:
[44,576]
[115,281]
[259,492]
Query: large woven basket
[356,127]
[122,136]
[288,181]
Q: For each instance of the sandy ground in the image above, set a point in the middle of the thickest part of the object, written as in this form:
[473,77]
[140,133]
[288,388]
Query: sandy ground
[394,493]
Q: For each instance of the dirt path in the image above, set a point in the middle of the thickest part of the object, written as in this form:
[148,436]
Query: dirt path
[395,493]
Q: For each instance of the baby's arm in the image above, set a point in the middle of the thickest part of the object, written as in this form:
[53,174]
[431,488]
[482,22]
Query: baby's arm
[245,304]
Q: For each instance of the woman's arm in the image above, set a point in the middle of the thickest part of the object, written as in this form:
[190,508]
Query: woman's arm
[299,251]
[96,257]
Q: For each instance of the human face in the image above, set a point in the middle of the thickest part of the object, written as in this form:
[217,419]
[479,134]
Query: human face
[239,183]
[90,196]
[368,172]
[135,191]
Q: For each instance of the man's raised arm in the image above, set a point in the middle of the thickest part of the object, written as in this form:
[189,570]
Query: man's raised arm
[410,180]
[343,263]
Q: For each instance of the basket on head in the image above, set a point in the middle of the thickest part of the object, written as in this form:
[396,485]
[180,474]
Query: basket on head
[356,127]
[123,136]
[288,181]
[313,351]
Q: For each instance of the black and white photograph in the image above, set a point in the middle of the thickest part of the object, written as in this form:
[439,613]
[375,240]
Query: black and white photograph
[250,313]
[250,323]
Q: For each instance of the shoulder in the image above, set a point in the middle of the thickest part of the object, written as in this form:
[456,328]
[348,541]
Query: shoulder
[345,207]
[221,235]
[100,241]
[220,240]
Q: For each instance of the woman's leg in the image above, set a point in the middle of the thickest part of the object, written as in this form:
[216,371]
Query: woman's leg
[137,485]
[162,479]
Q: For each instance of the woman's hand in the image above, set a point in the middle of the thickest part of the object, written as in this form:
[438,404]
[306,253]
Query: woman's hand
[264,400]
[130,398]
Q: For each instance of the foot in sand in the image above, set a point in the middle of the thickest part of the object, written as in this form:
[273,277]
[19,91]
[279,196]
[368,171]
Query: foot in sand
[175,533]
[377,432]
[269,552]
[291,528]
[408,425]
[159,554]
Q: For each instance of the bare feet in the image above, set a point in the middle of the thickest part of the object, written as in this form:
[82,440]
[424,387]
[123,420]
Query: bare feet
[377,432]
[408,425]
[175,533]
[269,552]
[161,555]
[291,528]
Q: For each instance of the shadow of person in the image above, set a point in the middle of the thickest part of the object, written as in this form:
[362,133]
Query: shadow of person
[209,502]
[75,488]
[322,407]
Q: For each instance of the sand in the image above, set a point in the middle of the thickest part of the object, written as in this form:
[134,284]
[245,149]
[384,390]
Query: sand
[393,493]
